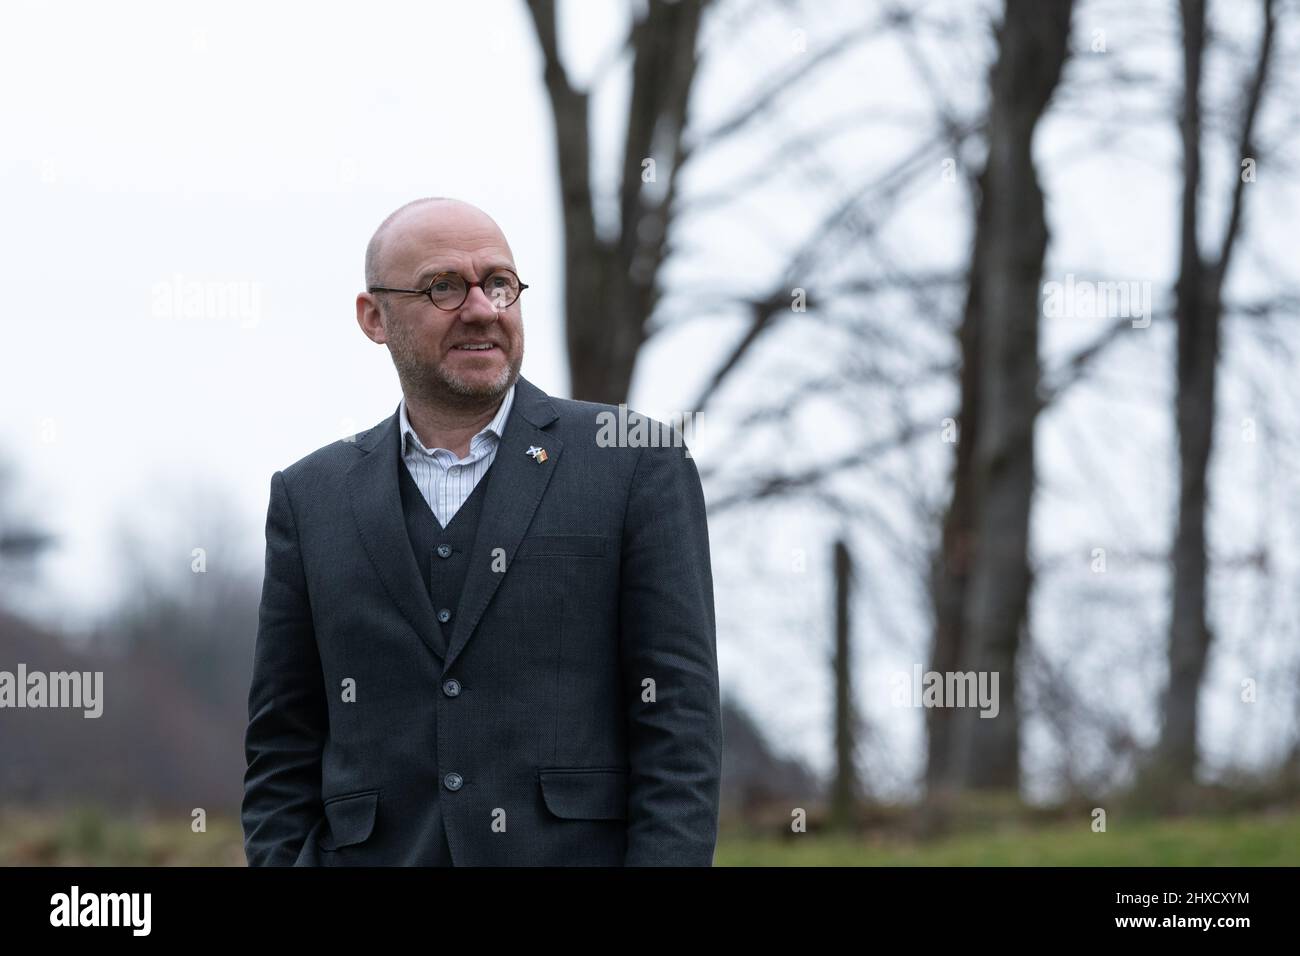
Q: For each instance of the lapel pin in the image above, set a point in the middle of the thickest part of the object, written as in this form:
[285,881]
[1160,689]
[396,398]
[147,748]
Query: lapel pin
[537,453]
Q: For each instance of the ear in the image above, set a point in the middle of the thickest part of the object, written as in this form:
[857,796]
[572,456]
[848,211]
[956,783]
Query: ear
[371,318]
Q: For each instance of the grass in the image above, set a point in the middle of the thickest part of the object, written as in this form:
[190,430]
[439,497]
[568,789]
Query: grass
[1268,839]
[90,837]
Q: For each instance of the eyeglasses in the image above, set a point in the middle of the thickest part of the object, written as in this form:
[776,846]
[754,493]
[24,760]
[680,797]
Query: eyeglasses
[449,290]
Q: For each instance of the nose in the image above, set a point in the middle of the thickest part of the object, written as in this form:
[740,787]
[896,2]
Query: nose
[477,306]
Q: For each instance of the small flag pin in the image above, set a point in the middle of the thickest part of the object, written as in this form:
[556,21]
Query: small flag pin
[537,453]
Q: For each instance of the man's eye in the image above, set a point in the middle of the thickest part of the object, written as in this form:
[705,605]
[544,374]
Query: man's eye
[441,285]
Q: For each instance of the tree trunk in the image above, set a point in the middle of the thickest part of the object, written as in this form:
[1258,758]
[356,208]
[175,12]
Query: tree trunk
[1006,278]
[952,564]
[1199,294]
[610,282]
[1198,345]
[844,791]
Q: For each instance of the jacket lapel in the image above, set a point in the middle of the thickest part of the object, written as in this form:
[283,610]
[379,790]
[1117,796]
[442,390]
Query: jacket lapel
[513,493]
[377,511]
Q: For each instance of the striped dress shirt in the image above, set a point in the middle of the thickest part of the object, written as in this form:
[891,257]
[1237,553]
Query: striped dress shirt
[444,480]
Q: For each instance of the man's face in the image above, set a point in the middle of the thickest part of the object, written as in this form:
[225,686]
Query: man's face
[426,342]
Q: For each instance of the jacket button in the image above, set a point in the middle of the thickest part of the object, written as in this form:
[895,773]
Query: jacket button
[451,687]
[444,615]
[453,781]
[444,551]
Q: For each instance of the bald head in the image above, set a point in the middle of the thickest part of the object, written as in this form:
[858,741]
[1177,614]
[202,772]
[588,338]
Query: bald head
[422,220]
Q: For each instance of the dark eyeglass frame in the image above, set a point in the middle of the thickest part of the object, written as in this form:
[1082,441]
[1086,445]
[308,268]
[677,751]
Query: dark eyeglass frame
[468,285]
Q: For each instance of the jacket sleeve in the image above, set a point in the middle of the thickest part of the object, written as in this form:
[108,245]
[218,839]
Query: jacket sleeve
[287,714]
[667,635]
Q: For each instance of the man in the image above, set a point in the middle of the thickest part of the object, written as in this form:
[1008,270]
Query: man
[486,637]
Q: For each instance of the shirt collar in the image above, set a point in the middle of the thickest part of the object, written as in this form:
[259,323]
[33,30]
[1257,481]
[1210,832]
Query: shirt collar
[496,427]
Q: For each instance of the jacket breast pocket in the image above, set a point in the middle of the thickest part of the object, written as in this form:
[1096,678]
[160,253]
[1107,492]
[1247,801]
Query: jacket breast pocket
[585,793]
[562,545]
[351,818]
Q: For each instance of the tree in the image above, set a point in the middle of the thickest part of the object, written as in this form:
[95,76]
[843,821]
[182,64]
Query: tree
[610,287]
[982,580]
[611,283]
[1199,297]
[844,788]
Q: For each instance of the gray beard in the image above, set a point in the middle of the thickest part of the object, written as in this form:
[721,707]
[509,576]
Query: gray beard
[433,385]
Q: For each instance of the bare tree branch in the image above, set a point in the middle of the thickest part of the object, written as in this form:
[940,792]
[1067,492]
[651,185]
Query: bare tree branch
[1245,144]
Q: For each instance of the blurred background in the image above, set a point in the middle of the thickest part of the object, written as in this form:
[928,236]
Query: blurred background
[985,315]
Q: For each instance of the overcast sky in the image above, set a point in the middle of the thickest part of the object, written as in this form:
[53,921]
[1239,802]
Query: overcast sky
[253,148]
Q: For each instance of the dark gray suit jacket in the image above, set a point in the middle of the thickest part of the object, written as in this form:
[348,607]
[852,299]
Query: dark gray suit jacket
[569,713]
